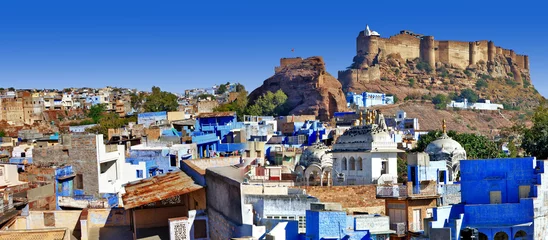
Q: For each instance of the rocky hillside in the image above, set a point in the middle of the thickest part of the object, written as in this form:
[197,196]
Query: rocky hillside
[488,123]
[501,81]
[309,88]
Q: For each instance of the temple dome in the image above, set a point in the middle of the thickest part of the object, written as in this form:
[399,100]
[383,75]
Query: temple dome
[317,153]
[362,138]
[444,144]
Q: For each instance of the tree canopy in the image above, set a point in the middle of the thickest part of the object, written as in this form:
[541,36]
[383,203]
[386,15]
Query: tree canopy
[269,104]
[476,146]
[469,94]
[110,120]
[535,139]
[239,105]
[96,112]
[137,101]
[159,101]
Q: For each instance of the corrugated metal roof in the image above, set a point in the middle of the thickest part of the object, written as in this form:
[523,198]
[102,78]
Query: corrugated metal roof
[216,114]
[157,188]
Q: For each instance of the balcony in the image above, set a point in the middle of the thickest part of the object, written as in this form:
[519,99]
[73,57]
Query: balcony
[506,213]
[426,189]
[206,138]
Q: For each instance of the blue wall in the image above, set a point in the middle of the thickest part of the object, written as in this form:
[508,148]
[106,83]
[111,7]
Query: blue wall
[479,177]
[331,224]
[157,161]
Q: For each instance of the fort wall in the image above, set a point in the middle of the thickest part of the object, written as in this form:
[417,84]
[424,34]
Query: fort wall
[288,61]
[457,53]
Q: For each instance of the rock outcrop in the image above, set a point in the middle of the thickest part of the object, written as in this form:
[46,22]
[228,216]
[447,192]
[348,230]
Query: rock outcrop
[501,81]
[309,88]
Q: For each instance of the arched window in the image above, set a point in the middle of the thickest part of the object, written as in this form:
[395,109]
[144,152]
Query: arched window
[501,236]
[482,236]
[520,235]
[352,163]
[344,164]
[360,164]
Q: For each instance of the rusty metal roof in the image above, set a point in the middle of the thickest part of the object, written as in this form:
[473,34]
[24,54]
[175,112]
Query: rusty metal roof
[157,188]
[216,114]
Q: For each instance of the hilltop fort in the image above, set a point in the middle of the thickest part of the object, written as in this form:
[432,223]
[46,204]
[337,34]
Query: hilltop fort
[409,62]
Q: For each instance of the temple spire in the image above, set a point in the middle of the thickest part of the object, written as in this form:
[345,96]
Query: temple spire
[444,126]
[361,118]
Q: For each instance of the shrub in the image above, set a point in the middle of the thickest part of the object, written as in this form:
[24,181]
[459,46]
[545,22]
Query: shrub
[426,97]
[526,83]
[511,82]
[442,71]
[468,73]
[411,82]
[486,77]
[511,74]
[481,83]
[424,67]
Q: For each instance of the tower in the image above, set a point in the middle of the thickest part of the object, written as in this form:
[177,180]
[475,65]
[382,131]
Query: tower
[427,53]
[491,51]
[472,53]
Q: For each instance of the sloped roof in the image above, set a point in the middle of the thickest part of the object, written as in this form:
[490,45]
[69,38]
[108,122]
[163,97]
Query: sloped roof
[157,188]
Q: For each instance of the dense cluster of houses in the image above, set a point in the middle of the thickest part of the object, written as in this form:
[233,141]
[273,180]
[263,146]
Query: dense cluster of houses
[173,175]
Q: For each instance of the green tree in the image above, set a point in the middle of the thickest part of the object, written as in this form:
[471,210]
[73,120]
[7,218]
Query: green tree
[402,170]
[423,66]
[269,104]
[109,121]
[96,112]
[11,89]
[470,95]
[476,146]
[2,133]
[411,82]
[239,105]
[159,101]
[441,101]
[481,84]
[205,96]
[535,139]
[240,88]
[137,101]
[221,89]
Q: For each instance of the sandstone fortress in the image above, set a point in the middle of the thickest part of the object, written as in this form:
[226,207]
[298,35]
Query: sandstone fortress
[410,46]
[372,49]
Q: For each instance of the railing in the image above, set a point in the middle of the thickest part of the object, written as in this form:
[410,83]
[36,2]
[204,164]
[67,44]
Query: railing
[392,191]
[400,228]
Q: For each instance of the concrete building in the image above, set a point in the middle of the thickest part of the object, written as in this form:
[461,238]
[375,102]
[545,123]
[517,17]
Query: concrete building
[152,118]
[482,104]
[506,199]
[365,154]
[367,99]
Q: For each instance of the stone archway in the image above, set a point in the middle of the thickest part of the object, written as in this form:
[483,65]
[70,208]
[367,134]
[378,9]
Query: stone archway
[313,174]
[501,236]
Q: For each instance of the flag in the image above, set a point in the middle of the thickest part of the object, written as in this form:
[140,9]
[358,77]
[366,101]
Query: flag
[293,50]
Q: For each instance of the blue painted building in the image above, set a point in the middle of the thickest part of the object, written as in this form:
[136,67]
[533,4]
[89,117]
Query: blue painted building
[367,99]
[151,118]
[332,224]
[211,130]
[501,199]
[158,160]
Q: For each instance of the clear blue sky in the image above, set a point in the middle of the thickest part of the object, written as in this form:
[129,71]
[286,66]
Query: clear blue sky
[179,45]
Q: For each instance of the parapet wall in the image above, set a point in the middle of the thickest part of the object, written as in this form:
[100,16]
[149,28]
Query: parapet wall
[457,53]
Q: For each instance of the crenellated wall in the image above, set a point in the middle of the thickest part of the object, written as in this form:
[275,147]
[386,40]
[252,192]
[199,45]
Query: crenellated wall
[457,53]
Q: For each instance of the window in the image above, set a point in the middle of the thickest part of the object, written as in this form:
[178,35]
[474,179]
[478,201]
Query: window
[360,164]
[173,160]
[343,164]
[79,181]
[49,219]
[495,197]
[524,191]
[441,177]
[139,173]
[383,167]
[352,163]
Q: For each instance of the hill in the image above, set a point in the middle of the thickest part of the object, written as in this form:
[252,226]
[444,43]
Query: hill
[309,88]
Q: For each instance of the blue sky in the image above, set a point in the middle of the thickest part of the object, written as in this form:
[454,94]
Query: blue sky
[182,44]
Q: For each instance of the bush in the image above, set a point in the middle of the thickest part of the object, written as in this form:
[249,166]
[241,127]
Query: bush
[486,77]
[411,82]
[511,82]
[426,97]
[470,95]
[468,73]
[442,71]
[481,83]
[511,74]
[424,67]
[526,83]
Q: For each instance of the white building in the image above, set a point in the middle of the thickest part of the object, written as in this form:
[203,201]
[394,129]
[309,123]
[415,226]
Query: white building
[482,104]
[365,155]
[113,169]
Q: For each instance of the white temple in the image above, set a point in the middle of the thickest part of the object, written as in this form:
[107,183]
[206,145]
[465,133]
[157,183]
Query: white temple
[368,32]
